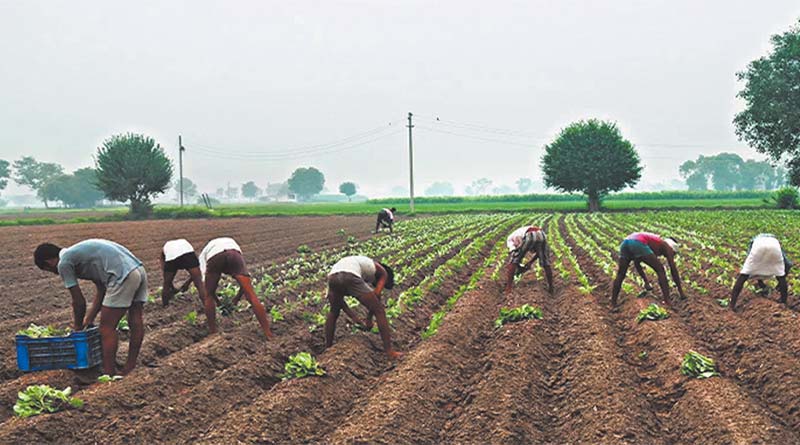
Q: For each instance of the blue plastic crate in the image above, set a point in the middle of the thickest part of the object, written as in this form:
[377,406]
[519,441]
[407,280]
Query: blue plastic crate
[78,350]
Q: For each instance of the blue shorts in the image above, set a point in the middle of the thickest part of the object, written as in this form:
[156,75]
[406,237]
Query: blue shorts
[630,250]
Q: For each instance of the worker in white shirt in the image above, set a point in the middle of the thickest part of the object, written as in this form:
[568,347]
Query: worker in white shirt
[385,219]
[363,278]
[178,254]
[224,256]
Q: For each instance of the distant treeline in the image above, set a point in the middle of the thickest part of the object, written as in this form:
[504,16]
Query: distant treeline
[552,197]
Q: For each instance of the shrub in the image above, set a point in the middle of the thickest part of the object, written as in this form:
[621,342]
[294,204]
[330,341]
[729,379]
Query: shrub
[786,198]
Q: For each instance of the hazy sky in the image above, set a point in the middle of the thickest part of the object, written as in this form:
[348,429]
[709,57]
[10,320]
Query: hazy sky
[258,88]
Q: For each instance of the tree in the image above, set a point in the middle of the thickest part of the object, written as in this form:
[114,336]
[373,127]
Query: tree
[250,190]
[232,192]
[503,190]
[75,190]
[770,121]
[34,174]
[133,168]
[189,189]
[524,184]
[348,188]
[591,157]
[479,187]
[4,174]
[728,171]
[220,193]
[440,189]
[306,182]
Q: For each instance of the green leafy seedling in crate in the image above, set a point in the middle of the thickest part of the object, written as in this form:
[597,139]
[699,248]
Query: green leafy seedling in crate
[39,399]
[698,366]
[300,365]
[36,331]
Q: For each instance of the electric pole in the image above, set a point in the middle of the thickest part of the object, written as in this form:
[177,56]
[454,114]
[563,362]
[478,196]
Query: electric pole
[411,161]
[180,166]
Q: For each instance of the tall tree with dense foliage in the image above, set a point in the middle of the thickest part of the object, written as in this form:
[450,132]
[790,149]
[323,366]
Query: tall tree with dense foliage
[250,190]
[133,168]
[770,121]
[479,187]
[78,190]
[34,174]
[348,188]
[306,182]
[591,157]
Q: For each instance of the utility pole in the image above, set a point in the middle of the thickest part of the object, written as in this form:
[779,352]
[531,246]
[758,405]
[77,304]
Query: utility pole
[180,166]
[411,161]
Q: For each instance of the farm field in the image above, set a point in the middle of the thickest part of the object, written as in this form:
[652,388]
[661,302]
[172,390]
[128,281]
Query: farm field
[585,373]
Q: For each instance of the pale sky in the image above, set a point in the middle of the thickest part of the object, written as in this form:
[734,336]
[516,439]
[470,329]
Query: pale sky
[258,88]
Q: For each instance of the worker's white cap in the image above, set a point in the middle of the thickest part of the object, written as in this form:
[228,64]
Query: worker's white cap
[672,243]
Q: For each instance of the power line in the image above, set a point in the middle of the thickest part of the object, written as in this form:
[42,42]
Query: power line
[266,157]
[300,150]
[481,138]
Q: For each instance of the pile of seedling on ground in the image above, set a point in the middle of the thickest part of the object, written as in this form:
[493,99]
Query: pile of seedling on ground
[300,365]
[524,312]
[698,366]
[38,399]
[653,312]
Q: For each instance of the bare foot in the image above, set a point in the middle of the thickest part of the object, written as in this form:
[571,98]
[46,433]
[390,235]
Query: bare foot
[394,355]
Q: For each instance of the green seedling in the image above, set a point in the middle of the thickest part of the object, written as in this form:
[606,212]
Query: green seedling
[151,298]
[351,239]
[652,312]
[276,314]
[36,331]
[105,378]
[642,355]
[123,324]
[303,249]
[724,302]
[300,365]
[698,366]
[39,399]
[524,312]
[191,318]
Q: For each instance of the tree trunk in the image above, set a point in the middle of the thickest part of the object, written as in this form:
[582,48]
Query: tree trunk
[594,201]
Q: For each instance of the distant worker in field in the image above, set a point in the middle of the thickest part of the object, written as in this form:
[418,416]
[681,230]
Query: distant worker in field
[224,256]
[521,242]
[121,288]
[765,259]
[363,278]
[178,254]
[385,219]
[644,247]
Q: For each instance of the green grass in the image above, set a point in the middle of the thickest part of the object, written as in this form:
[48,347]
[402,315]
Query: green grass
[62,216]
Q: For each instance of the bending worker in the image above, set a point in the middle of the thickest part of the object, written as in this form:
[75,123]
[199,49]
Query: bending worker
[363,278]
[644,247]
[522,241]
[121,288]
[765,259]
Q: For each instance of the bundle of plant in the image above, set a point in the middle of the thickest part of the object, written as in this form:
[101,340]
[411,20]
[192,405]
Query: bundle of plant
[36,331]
[105,378]
[698,366]
[524,312]
[300,365]
[38,399]
[652,312]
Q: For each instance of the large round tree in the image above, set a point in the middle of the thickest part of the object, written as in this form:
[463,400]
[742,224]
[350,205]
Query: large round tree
[133,168]
[770,121]
[593,158]
[306,182]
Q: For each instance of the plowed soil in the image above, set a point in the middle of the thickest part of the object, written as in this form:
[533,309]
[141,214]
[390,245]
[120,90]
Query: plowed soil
[584,374]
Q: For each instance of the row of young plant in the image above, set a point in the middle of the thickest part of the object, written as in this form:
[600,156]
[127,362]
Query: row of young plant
[410,262]
[609,235]
[284,291]
[465,257]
